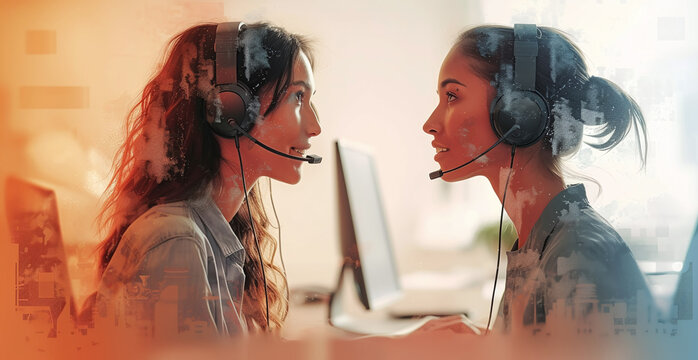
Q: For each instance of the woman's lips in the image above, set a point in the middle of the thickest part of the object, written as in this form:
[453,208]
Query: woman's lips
[299,150]
[440,154]
[440,150]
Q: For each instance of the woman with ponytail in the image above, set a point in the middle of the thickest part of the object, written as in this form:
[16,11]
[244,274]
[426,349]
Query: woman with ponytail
[568,261]
[183,254]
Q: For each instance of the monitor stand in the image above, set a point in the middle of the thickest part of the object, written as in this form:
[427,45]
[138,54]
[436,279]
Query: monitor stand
[347,313]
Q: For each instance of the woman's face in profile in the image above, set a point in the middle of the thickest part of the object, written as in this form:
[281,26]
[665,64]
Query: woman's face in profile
[460,122]
[289,127]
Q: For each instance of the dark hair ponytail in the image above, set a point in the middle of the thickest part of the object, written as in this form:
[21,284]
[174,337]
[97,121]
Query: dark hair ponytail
[618,113]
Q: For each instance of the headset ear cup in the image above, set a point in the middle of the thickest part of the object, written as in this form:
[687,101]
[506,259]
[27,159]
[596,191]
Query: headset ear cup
[528,109]
[522,105]
[235,106]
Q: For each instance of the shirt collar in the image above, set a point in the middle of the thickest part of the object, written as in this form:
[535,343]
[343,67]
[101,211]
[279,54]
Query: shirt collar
[213,219]
[559,206]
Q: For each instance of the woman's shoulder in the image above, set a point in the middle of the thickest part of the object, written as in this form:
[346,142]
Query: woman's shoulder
[585,234]
[170,223]
[569,223]
[590,229]
[162,223]
[588,249]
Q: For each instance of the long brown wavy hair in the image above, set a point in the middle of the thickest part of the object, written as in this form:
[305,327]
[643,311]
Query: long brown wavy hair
[170,153]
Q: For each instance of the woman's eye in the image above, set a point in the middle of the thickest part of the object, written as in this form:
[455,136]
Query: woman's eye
[299,96]
[450,96]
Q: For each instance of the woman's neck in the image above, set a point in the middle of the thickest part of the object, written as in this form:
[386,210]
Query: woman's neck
[228,193]
[531,187]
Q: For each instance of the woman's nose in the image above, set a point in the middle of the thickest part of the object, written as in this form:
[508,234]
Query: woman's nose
[313,122]
[431,126]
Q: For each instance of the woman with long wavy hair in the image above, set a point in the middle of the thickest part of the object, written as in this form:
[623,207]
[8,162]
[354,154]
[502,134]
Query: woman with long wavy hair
[180,254]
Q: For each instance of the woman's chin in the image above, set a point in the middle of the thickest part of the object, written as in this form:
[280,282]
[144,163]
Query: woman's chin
[458,175]
[448,177]
[295,180]
[291,177]
[451,177]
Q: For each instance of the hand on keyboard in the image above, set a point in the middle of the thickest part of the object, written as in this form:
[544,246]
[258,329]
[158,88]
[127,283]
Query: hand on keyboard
[458,324]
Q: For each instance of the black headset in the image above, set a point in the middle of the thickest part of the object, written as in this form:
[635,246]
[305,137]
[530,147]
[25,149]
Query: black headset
[519,115]
[518,102]
[236,117]
[235,96]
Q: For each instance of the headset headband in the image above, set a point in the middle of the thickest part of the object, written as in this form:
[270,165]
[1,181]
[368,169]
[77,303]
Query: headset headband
[525,52]
[226,51]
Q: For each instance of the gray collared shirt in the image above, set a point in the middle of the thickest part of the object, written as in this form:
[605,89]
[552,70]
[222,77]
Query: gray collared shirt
[573,267]
[177,271]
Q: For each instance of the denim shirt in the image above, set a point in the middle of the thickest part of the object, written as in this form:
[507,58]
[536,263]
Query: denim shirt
[573,271]
[177,271]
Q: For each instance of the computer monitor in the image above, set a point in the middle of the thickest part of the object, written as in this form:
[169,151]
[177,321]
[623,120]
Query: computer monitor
[366,244]
[42,284]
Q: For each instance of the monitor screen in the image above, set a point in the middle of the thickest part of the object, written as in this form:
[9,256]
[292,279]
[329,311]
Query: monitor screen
[42,283]
[365,237]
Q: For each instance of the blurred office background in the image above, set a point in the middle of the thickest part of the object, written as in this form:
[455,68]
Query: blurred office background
[71,69]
